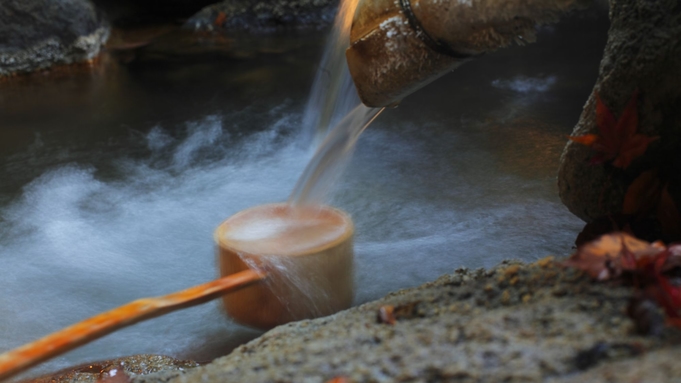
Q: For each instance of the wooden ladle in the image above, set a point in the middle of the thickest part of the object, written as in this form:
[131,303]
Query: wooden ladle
[27,356]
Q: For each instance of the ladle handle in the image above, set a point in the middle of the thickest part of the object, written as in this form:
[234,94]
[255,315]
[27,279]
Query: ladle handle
[26,356]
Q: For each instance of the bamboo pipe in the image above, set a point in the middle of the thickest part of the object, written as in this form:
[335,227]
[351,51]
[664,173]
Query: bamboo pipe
[31,354]
[400,46]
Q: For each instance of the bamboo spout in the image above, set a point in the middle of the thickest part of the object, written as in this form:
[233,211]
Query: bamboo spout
[400,46]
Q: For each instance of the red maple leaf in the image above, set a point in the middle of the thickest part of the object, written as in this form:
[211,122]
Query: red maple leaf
[648,263]
[610,254]
[660,285]
[220,19]
[617,139]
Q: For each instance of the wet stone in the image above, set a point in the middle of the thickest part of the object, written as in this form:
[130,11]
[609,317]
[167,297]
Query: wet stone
[38,34]
[441,333]
[137,367]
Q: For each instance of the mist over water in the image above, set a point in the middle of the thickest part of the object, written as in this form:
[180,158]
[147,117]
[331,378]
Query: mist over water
[462,174]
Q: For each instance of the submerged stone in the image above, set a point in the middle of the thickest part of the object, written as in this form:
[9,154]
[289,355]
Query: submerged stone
[263,16]
[37,34]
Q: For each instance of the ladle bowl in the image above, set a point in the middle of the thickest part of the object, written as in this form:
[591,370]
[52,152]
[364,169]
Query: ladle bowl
[307,252]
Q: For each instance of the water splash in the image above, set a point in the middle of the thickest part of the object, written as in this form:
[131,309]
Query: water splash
[296,279]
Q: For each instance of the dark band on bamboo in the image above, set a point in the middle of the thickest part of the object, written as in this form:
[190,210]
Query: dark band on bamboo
[437,45]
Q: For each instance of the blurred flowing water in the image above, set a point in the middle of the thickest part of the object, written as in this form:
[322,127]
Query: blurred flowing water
[114,179]
[331,158]
[333,93]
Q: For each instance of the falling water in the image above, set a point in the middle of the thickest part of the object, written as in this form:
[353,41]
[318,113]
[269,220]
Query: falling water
[332,99]
[332,156]
[333,94]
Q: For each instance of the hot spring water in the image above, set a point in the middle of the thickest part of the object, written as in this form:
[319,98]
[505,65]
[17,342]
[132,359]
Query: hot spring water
[113,197]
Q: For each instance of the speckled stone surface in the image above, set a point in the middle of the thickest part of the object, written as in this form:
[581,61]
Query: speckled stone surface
[161,367]
[514,323]
[37,34]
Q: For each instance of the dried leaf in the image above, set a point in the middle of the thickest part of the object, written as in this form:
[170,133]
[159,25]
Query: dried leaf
[660,287]
[220,19]
[390,314]
[609,255]
[386,314]
[654,269]
[587,139]
[617,139]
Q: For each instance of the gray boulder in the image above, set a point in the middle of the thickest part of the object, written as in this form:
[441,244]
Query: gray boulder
[514,323]
[643,54]
[542,323]
[264,16]
[37,34]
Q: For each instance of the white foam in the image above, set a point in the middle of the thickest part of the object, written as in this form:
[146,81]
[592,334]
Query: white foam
[258,230]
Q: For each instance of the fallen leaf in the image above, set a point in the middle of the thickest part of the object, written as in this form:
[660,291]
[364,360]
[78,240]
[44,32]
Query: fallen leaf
[339,379]
[390,314]
[587,139]
[654,268]
[617,139]
[386,315]
[607,256]
[220,19]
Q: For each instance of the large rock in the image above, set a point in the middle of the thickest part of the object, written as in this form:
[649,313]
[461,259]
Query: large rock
[514,323]
[37,34]
[643,53]
[263,16]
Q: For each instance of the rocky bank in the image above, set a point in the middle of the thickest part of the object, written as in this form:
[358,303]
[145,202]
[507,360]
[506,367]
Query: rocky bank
[37,34]
[514,323]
